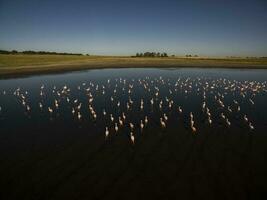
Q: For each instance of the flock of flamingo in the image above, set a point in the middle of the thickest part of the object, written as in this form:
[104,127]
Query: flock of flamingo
[132,103]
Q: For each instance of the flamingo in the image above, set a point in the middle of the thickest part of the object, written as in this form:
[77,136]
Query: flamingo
[131,125]
[165,117]
[246,118]
[180,109]
[107,132]
[141,125]
[251,126]
[123,116]
[50,110]
[193,129]
[79,115]
[94,116]
[40,105]
[111,118]
[116,127]
[209,120]
[132,137]
[146,120]
[163,125]
[228,122]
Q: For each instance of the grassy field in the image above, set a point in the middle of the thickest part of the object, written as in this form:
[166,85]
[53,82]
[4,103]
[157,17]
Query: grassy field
[16,65]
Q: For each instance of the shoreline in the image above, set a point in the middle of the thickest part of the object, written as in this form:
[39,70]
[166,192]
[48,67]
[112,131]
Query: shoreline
[87,63]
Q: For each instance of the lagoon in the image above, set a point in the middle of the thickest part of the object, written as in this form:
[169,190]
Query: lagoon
[67,154]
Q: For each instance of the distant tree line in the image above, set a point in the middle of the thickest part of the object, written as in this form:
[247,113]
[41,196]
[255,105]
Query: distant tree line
[38,52]
[254,57]
[189,55]
[151,54]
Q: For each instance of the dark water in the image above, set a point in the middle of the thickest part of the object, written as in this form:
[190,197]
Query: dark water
[65,154]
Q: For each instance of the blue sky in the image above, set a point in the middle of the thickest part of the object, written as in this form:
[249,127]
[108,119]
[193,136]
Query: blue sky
[117,27]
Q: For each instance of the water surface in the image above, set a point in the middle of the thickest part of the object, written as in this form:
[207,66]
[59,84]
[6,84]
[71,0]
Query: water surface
[66,152]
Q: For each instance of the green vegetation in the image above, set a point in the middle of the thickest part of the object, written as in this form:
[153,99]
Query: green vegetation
[23,64]
[19,60]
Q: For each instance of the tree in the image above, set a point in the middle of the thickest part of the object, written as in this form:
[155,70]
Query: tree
[151,54]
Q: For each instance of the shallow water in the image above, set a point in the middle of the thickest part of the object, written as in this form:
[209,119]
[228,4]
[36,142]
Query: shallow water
[65,153]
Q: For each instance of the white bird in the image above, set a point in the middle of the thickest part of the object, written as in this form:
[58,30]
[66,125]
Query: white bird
[116,127]
[192,123]
[120,121]
[131,125]
[123,116]
[209,120]
[132,137]
[106,132]
[79,106]
[40,105]
[228,122]
[56,103]
[162,123]
[170,105]
[246,118]
[94,115]
[50,110]
[204,105]
[146,120]
[191,116]
[165,117]
[251,126]
[141,125]
[79,115]
[251,101]
[111,118]
[193,128]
